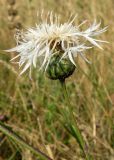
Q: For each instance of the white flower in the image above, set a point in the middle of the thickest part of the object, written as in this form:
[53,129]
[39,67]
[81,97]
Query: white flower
[48,38]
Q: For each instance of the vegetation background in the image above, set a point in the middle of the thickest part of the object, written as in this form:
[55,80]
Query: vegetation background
[30,107]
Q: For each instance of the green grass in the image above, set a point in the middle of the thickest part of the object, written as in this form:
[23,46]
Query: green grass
[32,106]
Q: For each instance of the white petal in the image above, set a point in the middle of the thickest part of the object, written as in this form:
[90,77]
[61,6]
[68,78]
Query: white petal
[93,42]
[15,57]
[71,57]
[25,68]
[82,55]
[45,58]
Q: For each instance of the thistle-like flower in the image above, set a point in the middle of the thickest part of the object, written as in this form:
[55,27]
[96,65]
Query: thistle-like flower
[50,38]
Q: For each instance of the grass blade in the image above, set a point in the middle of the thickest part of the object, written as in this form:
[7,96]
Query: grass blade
[19,140]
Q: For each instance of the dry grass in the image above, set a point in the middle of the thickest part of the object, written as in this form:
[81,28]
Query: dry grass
[31,106]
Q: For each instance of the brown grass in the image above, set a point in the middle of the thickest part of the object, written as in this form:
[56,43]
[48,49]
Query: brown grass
[31,105]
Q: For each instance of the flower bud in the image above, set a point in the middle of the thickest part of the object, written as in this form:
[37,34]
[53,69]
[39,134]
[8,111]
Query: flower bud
[59,69]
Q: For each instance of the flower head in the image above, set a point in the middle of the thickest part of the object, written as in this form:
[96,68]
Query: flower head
[49,38]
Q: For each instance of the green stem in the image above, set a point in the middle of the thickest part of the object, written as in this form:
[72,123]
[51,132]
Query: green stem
[18,139]
[71,124]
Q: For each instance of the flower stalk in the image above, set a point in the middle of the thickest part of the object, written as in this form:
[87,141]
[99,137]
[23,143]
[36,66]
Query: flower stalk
[70,122]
